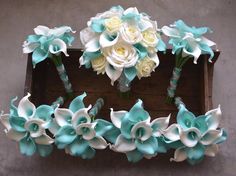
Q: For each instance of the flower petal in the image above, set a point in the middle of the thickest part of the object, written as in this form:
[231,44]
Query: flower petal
[26,109]
[89,153]
[65,135]
[98,142]
[44,150]
[78,147]
[29,47]
[172,132]
[41,30]
[170,32]
[92,45]
[54,127]
[190,137]
[207,41]
[77,103]
[137,113]
[35,127]
[134,156]
[123,145]
[44,112]
[102,127]
[44,140]
[211,150]
[185,118]
[180,155]
[63,116]
[15,135]
[200,123]
[194,50]
[159,124]
[57,46]
[106,41]
[116,117]
[213,118]
[39,55]
[148,147]
[81,116]
[17,123]
[86,130]
[211,136]
[59,31]
[112,73]
[4,119]
[86,35]
[196,153]
[27,146]
[141,130]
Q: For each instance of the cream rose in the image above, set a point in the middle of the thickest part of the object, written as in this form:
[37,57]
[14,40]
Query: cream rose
[99,64]
[113,24]
[146,66]
[130,34]
[150,38]
[121,55]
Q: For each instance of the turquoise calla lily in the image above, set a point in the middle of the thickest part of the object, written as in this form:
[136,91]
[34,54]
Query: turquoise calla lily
[138,136]
[77,132]
[27,125]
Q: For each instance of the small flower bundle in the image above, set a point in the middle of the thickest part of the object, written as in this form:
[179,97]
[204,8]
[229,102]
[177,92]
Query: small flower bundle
[136,135]
[76,130]
[193,137]
[28,126]
[187,42]
[50,43]
[123,44]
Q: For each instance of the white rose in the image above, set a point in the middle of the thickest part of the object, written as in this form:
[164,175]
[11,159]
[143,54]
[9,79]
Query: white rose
[146,66]
[99,64]
[150,38]
[130,34]
[113,24]
[121,55]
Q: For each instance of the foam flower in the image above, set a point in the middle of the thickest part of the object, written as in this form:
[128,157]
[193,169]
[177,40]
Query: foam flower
[193,137]
[50,43]
[187,42]
[27,125]
[123,38]
[138,137]
[76,132]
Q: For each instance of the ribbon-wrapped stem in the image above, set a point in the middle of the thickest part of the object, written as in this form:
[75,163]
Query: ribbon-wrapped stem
[179,63]
[59,101]
[96,108]
[57,60]
[124,86]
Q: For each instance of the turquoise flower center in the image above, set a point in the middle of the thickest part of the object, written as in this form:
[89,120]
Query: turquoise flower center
[188,123]
[192,135]
[85,130]
[34,127]
[81,120]
[140,132]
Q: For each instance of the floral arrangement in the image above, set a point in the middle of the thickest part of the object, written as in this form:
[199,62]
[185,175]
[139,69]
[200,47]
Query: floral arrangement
[50,43]
[187,42]
[80,133]
[123,44]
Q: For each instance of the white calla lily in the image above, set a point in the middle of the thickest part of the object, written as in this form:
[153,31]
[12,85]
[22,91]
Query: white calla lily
[180,155]
[86,130]
[113,73]
[44,139]
[211,150]
[15,135]
[26,109]
[57,46]
[123,145]
[141,130]
[41,30]
[87,35]
[116,117]
[159,125]
[106,41]
[63,116]
[210,136]
[172,132]
[81,116]
[190,137]
[213,118]
[4,119]
[98,142]
[35,127]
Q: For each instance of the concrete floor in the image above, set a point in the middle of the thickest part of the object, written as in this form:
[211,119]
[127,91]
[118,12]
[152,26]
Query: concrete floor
[19,17]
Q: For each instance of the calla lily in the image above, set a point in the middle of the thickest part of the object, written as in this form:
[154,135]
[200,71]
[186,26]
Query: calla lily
[123,38]
[27,125]
[138,137]
[193,137]
[76,132]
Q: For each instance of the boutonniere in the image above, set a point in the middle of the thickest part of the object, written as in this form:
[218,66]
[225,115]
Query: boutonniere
[187,42]
[51,43]
[123,44]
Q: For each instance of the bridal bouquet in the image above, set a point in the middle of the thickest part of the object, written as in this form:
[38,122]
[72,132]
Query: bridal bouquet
[123,44]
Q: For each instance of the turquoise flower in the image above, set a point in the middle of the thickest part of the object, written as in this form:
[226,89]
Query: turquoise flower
[138,137]
[76,132]
[193,137]
[47,42]
[116,40]
[27,125]
[189,40]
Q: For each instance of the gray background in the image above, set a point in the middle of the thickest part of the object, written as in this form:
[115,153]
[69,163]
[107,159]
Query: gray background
[18,18]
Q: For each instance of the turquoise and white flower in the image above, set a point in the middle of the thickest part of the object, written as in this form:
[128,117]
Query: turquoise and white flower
[138,137]
[47,42]
[76,132]
[193,137]
[27,125]
[123,37]
[189,40]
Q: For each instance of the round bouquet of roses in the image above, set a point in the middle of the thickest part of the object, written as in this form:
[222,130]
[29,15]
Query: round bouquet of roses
[123,44]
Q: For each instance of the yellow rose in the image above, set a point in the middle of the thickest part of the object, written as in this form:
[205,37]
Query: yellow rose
[145,67]
[113,24]
[150,38]
[99,64]
[131,34]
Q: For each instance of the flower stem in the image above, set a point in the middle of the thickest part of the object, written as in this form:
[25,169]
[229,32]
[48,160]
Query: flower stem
[96,108]
[179,63]
[57,60]
[124,87]
[59,101]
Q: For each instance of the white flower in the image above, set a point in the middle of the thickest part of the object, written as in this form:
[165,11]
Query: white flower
[99,64]
[113,24]
[146,66]
[130,33]
[150,38]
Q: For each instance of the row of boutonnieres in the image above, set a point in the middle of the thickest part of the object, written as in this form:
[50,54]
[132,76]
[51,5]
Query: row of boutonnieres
[80,133]
[123,44]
